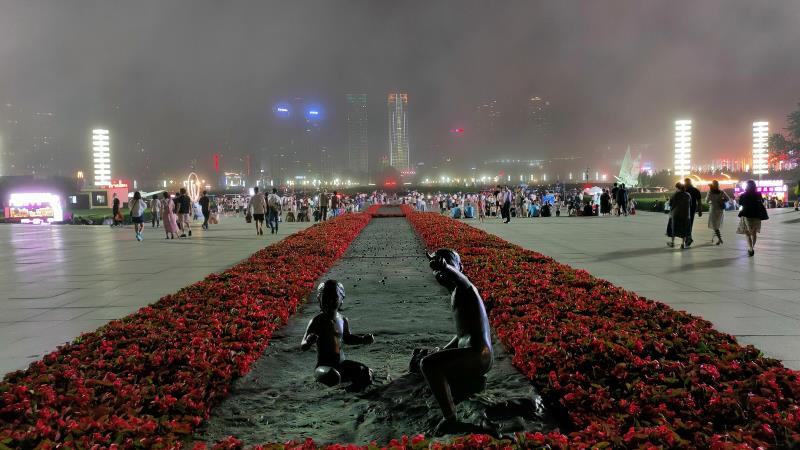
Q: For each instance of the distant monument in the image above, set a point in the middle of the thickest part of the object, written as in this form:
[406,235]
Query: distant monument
[629,171]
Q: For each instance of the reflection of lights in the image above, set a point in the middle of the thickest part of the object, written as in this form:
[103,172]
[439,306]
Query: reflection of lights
[683,147]
[760,139]
[283,110]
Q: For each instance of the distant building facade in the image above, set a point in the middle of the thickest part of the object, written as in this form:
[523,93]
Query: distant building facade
[399,157]
[540,118]
[358,133]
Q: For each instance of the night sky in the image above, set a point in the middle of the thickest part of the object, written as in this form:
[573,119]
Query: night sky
[183,79]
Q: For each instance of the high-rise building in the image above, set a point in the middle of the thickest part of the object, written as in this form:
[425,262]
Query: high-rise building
[539,117]
[485,126]
[357,133]
[398,131]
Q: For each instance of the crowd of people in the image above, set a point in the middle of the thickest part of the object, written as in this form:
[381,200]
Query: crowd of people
[176,211]
[686,204]
[506,202]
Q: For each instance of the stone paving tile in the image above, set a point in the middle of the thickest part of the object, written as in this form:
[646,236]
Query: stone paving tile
[757,299]
[61,281]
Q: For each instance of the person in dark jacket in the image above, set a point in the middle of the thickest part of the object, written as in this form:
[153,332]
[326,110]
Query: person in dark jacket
[205,205]
[695,208]
[751,214]
[622,200]
[680,222]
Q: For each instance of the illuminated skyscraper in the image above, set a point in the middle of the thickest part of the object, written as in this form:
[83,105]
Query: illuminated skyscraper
[398,131]
[357,133]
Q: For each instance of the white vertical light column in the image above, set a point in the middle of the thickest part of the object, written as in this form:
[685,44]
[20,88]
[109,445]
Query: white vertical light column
[683,147]
[101,151]
[760,152]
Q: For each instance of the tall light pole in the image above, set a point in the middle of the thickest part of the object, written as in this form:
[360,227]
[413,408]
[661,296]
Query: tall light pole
[683,147]
[760,143]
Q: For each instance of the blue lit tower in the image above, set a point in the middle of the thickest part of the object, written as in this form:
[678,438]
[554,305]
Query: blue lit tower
[398,131]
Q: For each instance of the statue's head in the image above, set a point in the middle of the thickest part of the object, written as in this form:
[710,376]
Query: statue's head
[330,295]
[448,256]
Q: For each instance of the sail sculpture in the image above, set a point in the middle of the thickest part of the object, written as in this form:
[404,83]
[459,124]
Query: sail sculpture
[629,171]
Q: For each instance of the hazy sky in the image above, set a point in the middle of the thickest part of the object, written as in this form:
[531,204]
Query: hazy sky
[187,78]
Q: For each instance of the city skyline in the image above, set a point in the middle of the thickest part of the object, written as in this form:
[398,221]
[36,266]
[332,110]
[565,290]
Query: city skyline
[169,88]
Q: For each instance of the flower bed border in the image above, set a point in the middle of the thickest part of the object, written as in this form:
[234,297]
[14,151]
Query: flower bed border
[626,371]
[149,379]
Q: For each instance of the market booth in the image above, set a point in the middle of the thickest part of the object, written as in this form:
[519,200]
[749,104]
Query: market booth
[770,189]
[34,208]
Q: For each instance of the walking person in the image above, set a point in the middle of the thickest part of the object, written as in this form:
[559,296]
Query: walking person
[716,199]
[273,210]
[751,215]
[505,197]
[184,213]
[614,204]
[205,207]
[679,224]
[323,206]
[138,206]
[695,206]
[168,217]
[481,207]
[155,210]
[259,207]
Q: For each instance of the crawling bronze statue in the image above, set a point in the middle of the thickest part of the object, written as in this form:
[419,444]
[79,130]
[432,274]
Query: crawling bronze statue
[329,329]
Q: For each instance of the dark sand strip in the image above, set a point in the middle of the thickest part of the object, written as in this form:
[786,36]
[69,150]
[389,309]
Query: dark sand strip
[391,293]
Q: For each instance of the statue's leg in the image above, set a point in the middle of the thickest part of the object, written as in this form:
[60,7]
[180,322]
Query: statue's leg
[451,364]
[357,373]
[327,375]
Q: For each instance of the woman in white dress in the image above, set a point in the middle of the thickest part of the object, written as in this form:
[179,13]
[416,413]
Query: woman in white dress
[716,199]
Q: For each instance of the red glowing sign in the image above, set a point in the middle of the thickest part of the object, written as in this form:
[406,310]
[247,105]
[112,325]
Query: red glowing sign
[216,162]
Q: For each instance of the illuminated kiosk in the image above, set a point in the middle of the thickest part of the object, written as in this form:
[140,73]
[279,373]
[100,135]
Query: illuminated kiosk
[768,188]
[683,147]
[34,207]
[100,197]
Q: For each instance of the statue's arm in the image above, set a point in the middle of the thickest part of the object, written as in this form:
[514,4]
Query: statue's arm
[452,344]
[350,338]
[309,338]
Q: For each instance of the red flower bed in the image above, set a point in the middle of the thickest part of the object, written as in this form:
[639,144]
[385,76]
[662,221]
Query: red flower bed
[626,372]
[418,442]
[148,380]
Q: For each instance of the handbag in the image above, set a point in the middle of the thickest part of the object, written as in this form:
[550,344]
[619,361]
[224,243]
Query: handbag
[742,227]
[248,218]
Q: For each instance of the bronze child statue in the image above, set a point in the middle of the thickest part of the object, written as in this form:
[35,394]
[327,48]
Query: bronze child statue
[459,369]
[328,330]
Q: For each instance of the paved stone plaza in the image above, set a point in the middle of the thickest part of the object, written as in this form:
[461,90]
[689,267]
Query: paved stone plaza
[60,281]
[756,299]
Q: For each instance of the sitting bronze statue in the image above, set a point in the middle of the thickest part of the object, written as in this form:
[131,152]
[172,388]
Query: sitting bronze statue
[328,330]
[459,369]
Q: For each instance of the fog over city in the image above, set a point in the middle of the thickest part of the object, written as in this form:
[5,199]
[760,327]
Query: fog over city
[178,81]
